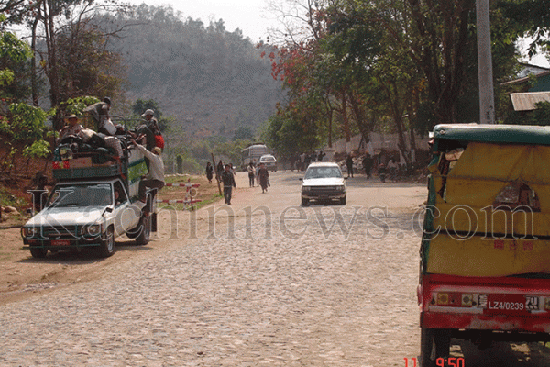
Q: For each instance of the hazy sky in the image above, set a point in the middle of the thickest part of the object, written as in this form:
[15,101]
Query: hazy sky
[248,15]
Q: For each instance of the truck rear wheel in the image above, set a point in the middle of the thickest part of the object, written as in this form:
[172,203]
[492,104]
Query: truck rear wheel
[39,253]
[107,247]
[144,227]
[435,344]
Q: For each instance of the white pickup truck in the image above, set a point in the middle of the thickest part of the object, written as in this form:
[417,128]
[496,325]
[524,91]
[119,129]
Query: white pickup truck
[91,205]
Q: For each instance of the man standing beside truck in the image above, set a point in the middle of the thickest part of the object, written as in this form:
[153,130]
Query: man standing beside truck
[155,177]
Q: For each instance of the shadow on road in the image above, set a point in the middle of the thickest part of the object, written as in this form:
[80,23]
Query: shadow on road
[85,256]
[502,354]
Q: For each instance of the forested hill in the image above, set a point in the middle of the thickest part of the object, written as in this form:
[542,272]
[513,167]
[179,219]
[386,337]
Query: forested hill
[213,81]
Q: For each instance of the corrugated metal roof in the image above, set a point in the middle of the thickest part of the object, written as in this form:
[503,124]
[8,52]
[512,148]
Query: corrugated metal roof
[527,101]
[525,79]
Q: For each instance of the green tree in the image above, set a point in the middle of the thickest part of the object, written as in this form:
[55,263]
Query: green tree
[23,131]
[530,19]
[14,56]
[86,66]
[74,58]
[288,133]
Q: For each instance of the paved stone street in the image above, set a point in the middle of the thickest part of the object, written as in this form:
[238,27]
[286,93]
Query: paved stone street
[265,284]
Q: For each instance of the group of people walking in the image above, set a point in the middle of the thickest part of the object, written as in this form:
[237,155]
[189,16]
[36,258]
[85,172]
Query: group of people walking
[368,163]
[260,173]
[226,174]
[300,162]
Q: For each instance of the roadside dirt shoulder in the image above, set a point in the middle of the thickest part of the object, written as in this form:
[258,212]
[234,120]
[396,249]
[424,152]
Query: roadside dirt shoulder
[22,276]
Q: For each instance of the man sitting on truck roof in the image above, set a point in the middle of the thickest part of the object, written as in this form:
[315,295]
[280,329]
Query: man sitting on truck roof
[73,127]
[149,132]
[155,177]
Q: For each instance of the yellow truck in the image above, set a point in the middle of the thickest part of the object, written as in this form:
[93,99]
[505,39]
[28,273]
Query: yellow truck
[485,252]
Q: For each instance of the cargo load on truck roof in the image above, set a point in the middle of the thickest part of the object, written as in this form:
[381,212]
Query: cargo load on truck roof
[74,160]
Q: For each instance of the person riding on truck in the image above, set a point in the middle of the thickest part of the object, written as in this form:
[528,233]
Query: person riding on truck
[155,177]
[149,131]
[72,128]
[100,114]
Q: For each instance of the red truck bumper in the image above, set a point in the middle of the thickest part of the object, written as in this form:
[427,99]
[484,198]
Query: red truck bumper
[485,303]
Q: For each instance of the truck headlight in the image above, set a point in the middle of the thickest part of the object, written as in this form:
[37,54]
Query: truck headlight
[30,232]
[306,188]
[340,188]
[94,230]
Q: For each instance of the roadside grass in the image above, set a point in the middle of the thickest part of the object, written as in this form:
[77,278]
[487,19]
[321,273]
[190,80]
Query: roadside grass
[207,192]
[20,203]
[7,198]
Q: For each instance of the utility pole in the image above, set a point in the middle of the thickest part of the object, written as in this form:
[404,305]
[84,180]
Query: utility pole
[485,65]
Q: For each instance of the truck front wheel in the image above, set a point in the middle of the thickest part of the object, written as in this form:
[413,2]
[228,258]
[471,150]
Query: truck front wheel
[435,344]
[107,247]
[39,253]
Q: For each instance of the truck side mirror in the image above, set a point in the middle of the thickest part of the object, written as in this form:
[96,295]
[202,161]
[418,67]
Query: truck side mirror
[109,209]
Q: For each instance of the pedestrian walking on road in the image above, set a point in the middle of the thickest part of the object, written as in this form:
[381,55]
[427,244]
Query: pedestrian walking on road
[367,165]
[228,183]
[263,176]
[349,165]
[250,170]
[392,167]
[219,170]
[320,156]
[209,171]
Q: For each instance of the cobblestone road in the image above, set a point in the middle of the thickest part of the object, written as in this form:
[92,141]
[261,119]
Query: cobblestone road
[281,289]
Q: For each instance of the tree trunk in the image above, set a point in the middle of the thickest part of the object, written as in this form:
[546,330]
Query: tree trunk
[363,125]
[330,114]
[34,76]
[345,117]
[53,75]
[397,115]
[444,69]
[401,135]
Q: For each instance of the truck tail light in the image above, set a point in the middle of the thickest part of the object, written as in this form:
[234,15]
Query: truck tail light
[453,299]
[442,299]
[467,300]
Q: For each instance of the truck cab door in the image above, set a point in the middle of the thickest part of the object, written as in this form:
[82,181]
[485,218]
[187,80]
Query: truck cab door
[127,216]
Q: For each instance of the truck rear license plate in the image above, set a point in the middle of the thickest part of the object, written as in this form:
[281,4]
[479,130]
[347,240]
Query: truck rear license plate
[61,242]
[509,303]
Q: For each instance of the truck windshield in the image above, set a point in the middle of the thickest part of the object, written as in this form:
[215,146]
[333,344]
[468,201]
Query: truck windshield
[81,195]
